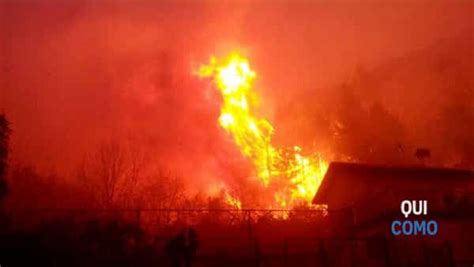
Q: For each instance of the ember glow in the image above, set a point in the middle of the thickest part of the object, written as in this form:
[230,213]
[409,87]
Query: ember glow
[293,177]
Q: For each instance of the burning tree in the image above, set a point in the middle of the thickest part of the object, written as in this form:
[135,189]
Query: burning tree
[292,178]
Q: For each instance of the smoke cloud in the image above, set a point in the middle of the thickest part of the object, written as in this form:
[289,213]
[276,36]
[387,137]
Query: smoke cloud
[357,81]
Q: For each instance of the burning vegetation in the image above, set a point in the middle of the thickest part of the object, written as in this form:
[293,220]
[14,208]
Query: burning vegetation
[292,177]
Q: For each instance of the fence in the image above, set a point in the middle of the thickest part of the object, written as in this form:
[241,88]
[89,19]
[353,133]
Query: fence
[254,237]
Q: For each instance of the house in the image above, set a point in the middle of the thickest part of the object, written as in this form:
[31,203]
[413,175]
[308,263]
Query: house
[363,200]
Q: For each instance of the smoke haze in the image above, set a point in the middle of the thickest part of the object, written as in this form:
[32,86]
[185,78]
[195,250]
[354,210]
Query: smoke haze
[363,81]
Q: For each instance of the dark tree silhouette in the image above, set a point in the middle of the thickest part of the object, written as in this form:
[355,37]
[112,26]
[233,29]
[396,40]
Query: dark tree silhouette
[366,131]
[4,136]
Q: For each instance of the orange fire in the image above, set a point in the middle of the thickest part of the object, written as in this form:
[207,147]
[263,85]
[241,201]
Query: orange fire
[295,176]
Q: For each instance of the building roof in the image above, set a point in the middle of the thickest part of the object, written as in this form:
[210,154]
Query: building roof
[340,174]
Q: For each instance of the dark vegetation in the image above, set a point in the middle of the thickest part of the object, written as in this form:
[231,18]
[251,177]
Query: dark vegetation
[4,137]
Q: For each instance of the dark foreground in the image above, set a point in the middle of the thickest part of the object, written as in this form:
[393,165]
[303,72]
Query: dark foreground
[263,243]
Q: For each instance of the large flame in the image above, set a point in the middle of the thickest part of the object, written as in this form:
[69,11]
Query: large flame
[293,177]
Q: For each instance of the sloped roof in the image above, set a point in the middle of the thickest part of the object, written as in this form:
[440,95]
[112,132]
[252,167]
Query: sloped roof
[370,175]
